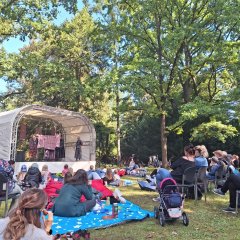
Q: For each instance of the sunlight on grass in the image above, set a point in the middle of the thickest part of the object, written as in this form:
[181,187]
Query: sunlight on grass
[206,220]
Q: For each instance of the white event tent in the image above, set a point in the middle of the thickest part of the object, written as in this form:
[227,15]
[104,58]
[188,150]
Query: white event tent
[74,124]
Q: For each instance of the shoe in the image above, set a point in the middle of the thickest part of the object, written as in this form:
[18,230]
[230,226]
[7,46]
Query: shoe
[117,193]
[122,200]
[156,199]
[229,209]
[218,191]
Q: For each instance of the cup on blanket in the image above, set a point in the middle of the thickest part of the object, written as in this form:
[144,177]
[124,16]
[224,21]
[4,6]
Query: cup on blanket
[105,183]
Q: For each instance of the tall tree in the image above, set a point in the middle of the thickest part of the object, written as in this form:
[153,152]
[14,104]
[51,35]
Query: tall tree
[168,44]
[24,18]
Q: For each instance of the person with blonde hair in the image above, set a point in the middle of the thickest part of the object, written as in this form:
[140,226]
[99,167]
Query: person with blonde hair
[25,222]
[221,155]
[46,175]
[201,155]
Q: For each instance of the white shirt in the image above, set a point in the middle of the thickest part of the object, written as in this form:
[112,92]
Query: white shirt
[32,233]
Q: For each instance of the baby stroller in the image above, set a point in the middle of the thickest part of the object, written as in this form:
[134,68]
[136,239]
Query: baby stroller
[171,203]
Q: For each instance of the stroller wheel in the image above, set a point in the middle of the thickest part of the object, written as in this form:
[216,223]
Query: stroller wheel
[156,212]
[185,219]
[161,218]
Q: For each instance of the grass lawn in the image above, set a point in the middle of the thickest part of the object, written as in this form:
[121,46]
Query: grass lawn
[207,221]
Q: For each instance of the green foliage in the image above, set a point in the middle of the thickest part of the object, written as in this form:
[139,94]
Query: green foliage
[213,130]
[25,18]
[134,62]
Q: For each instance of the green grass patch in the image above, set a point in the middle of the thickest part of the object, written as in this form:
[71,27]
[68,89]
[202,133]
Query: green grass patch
[207,221]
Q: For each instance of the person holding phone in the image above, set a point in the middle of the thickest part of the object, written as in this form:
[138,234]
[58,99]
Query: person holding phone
[28,220]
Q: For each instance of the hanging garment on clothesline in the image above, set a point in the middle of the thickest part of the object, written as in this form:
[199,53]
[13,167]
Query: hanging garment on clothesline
[48,141]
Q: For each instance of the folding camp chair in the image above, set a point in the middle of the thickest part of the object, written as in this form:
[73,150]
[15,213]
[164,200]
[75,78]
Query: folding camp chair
[219,176]
[237,199]
[189,180]
[202,180]
[4,196]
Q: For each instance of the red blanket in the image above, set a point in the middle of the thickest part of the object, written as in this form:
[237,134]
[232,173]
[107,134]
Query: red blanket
[53,188]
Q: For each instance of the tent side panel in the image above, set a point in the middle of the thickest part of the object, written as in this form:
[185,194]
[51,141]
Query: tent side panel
[5,140]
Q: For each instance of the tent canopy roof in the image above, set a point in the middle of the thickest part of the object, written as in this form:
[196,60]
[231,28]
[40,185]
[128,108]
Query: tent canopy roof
[74,124]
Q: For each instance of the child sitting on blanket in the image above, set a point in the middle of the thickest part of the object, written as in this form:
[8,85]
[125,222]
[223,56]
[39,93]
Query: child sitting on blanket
[65,170]
[112,178]
[116,178]
[46,175]
[21,175]
[108,176]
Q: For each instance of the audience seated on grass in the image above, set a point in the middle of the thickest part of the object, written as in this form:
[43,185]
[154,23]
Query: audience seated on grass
[46,175]
[231,184]
[65,170]
[133,164]
[13,188]
[181,164]
[235,161]
[108,176]
[21,175]
[8,170]
[116,178]
[33,176]
[24,222]
[67,204]
[157,176]
[215,164]
[201,155]
[222,157]
[67,177]
[92,174]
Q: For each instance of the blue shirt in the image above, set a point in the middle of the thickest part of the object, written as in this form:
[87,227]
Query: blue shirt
[201,162]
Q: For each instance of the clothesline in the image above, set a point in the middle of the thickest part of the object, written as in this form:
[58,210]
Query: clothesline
[48,141]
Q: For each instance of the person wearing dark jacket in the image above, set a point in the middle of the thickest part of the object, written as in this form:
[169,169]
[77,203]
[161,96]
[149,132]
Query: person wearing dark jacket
[181,164]
[33,176]
[68,203]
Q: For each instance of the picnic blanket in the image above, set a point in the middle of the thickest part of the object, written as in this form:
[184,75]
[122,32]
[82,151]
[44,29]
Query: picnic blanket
[144,185]
[93,220]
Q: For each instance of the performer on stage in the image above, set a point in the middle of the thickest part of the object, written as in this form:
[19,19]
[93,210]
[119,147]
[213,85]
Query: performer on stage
[78,150]
[33,142]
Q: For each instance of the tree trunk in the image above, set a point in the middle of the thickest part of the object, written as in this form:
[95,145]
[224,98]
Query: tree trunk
[118,128]
[164,141]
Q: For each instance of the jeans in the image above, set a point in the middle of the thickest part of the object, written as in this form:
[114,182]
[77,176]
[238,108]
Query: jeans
[162,173]
[89,204]
[232,184]
[93,176]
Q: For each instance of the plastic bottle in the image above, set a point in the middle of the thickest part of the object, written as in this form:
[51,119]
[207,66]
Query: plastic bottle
[108,201]
[115,210]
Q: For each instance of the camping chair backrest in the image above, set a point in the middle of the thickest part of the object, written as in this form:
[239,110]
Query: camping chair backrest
[189,176]
[219,173]
[201,174]
[3,181]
